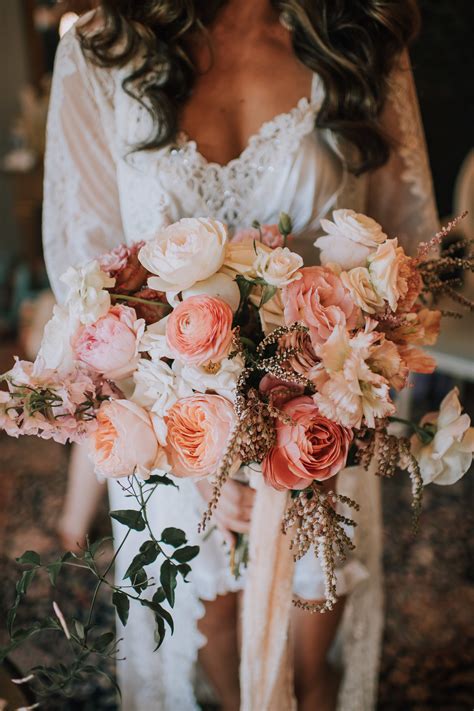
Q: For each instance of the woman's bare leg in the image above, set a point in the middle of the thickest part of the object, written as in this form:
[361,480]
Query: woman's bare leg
[220,657]
[316,682]
[83,494]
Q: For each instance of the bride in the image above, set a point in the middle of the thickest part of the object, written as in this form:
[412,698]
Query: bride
[240,109]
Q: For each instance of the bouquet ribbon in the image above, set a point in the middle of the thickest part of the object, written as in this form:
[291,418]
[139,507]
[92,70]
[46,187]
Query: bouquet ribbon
[266,665]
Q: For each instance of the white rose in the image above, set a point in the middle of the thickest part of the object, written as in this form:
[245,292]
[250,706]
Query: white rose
[449,454]
[350,239]
[221,380]
[55,351]
[362,290]
[220,285]
[188,251]
[156,390]
[384,270]
[87,298]
[278,267]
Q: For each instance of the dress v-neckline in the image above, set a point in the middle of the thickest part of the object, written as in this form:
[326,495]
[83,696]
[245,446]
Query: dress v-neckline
[266,129]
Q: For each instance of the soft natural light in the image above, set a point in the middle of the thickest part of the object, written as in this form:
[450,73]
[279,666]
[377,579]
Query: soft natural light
[66,22]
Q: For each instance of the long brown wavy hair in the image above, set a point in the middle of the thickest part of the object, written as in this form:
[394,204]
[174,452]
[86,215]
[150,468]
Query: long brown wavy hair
[350,44]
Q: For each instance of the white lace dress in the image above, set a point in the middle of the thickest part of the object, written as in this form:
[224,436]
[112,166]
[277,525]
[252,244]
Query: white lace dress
[97,194]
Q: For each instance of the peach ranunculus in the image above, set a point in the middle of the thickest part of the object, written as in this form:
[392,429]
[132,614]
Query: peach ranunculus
[125,442]
[110,345]
[199,330]
[311,448]
[320,301]
[186,252]
[199,428]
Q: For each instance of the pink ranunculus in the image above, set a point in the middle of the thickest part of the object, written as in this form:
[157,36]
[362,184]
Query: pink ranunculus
[311,448]
[199,330]
[268,234]
[199,428]
[110,345]
[321,301]
[124,441]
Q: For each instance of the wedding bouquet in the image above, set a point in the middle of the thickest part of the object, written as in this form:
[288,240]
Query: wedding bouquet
[196,355]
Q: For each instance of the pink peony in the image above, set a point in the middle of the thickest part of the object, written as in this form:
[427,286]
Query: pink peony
[199,428]
[321,301]
[199,330]
[110,345]
[311,448]
[124,441]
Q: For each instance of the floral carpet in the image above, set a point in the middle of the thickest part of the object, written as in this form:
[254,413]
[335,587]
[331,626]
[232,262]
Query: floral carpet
[428,650]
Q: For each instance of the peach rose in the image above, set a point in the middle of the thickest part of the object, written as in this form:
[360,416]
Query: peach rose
[313,448]
[199,428]
[199,330]
[110,345]
[321,301]
[124,441]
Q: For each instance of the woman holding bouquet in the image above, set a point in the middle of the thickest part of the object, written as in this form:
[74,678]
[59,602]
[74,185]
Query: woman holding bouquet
[239,110]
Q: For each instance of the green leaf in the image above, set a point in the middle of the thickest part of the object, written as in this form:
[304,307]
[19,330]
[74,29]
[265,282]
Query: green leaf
[160,631]
[149,551]
[173,537]
[102,642]
[159,595]
[94,547]
[122,605]
[29,558]
[184,569]
[158,479]
[134,567]
[129,517]
[25,581]
[168,575]
[187,553]
[140,580]
[267,294]
[166,616]
[79,629]
[53,572]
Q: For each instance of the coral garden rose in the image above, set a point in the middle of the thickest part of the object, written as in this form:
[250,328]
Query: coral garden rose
[199,428]
[311,448]
[449,454]
[110,345]
[320,301]
[124,441]
[351,237]
[188,251]
[199,330]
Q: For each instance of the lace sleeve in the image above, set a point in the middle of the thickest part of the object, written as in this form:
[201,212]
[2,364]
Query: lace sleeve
[81,212]
[401,192]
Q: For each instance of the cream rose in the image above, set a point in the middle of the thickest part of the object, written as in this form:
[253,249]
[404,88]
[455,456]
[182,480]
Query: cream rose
[278,267]
[384,269]
[351,237]
[449,454]
[358,282]
[240,257]
[188,251]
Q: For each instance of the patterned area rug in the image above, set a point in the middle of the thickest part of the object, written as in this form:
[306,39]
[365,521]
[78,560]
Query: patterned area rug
[428,651]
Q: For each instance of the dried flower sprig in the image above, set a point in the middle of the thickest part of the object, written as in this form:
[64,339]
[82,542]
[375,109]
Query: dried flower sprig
[319,525]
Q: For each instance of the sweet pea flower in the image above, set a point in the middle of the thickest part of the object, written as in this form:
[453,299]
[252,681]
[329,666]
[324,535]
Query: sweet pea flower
[88,298]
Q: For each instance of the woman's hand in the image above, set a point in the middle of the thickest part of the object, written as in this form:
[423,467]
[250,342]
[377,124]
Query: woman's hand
[234,510]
